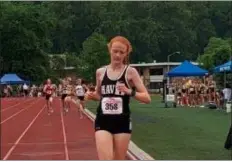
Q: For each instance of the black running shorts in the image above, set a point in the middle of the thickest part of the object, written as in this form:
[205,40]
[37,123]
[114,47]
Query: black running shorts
[63,96]
[114,124]
[81,98]
[47,96]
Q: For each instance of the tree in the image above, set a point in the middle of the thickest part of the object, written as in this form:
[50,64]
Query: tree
[218,51]
[24,37]
[93,56]
[32,30]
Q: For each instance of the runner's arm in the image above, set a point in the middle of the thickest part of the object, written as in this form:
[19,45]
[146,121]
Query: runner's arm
[75,94]
[97,91]
[44,89]
[73,91]
[85,87]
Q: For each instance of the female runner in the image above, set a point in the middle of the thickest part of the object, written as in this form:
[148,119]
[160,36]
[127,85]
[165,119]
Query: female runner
[80,93]
[113,89]
[69,94]
[48,90]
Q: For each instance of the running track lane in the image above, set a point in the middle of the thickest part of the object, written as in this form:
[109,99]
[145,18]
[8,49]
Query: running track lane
[17,110]
[7,102]
[13,128]
[8,99]
[44,140]
[6,107]
[80,136]
[10,102]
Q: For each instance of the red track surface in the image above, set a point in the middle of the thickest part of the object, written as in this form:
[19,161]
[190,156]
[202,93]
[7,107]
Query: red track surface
[28,133]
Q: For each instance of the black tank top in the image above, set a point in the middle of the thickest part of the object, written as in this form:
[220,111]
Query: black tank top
[113,103]
[66,89]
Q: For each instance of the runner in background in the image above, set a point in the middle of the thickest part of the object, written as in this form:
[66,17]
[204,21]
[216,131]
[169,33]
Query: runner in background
[25,90]
[48,91]
[80,89]
[64,84]
[67,93]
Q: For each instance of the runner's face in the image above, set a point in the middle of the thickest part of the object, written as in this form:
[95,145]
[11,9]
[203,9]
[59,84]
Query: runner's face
[118,52]
[64,82]
[78,81]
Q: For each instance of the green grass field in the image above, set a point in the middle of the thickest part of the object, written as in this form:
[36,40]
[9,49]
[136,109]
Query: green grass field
[178,133]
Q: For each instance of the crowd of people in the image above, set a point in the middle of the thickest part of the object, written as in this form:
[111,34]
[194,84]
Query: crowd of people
[195,92]
[22,90]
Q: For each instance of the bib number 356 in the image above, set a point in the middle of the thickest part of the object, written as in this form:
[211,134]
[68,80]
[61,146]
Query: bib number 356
[112,105]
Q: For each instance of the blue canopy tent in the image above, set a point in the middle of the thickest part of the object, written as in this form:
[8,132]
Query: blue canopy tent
[12,79]
[226,67]
[187,69]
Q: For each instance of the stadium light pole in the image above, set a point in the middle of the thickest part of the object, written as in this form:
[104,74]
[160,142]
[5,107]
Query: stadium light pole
[168,80]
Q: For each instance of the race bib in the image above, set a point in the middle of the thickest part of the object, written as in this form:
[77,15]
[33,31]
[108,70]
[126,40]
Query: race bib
[80,92]
[49,92]
[112,105]
[66,91]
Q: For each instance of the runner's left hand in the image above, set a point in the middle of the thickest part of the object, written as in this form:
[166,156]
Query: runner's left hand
[122,88]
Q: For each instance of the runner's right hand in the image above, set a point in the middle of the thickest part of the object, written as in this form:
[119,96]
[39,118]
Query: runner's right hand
[90,95]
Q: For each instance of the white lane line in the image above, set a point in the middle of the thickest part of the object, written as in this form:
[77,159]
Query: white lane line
[15,105]
[64,134]
[18,112]
[21,136]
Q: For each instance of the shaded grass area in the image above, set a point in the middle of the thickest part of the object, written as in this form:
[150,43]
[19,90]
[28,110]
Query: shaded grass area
[178,133]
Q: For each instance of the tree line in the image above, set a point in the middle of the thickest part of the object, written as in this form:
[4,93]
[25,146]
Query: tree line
[31,31]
